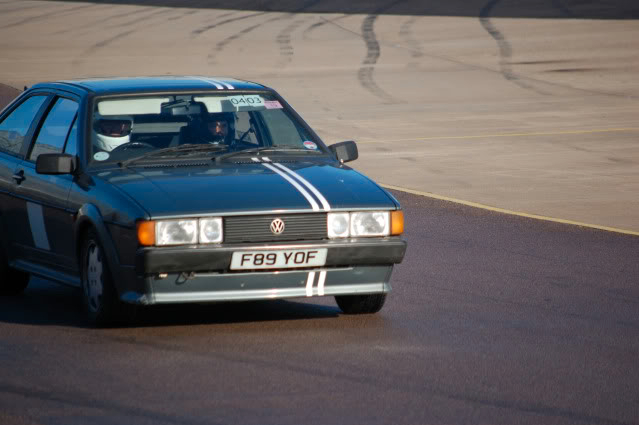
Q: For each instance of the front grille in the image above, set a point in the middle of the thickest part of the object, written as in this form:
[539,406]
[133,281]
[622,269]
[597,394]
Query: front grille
[258,228]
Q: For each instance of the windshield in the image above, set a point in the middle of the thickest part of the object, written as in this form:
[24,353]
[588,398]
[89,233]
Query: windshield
[129,129]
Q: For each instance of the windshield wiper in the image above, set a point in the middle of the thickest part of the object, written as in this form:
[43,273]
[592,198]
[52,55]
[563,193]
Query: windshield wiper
[187,148]
[261,149]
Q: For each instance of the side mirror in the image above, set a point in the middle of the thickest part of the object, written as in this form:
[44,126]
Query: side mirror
[55,163]
[345,151]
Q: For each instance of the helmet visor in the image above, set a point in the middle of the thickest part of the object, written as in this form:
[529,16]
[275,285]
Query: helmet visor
[114,128]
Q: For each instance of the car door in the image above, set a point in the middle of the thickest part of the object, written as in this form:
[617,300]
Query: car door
[45,197]
[17,126]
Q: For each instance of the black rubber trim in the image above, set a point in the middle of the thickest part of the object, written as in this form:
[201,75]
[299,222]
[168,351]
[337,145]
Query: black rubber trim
[352,252]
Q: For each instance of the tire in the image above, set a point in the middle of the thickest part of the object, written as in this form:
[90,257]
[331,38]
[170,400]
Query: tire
[360,304]
[12,281]
[100,299]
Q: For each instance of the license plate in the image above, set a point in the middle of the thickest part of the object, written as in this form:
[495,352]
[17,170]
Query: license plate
[278,259]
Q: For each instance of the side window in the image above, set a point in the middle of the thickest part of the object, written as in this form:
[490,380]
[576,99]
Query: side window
[284,131]
[14,127]
[55,129]
[72,141]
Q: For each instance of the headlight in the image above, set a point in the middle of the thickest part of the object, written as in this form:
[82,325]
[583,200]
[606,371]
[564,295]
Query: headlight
[211,230]
[374,223]
[175,232]
[363,223]
[338,225]
[180,232]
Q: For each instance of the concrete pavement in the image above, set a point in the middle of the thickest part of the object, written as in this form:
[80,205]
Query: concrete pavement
[532,112]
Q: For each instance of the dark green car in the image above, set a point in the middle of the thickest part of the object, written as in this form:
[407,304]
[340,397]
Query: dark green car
[186,189]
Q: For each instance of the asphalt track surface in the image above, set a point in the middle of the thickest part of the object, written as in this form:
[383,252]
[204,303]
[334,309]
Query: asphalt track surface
[494,319]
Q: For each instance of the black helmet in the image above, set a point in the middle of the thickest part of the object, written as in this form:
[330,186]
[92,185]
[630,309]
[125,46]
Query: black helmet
[221,117]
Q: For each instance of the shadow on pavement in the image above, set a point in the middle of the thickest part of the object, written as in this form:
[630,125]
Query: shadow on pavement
[46,303]
[574,9]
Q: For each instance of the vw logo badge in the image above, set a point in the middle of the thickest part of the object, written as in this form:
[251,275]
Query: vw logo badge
[277,226]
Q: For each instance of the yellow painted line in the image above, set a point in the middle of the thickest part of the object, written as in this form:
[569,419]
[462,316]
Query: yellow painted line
[485,136]
[510,212]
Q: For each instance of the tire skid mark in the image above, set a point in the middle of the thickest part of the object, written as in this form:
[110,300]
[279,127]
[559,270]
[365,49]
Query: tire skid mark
[108,41]
[314,26]
[50,15]
[19,5]
[103,43]
[197,32]
[321,23]
[406,32]
[472,66]
[334,22]
[22,8]
[152,13]
[573,70]
[373,52]
[221,45]
[224,15]
[505,50]
[183,15]
[283,40]
[543,62]
[100,21]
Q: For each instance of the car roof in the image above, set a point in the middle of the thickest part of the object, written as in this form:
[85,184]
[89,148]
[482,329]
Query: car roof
[105,86]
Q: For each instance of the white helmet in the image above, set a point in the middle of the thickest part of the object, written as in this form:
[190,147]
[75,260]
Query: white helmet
[112,131]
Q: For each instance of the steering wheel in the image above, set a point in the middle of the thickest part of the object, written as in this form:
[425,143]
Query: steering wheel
[132,145]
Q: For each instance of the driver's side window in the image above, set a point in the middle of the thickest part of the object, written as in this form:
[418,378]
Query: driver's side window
[14,127]
[56,128]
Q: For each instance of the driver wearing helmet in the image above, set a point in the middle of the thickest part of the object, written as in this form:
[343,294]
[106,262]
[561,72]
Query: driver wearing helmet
[220,127]
[112,132]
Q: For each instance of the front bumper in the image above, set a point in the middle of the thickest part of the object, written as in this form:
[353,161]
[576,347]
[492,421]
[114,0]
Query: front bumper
[200,274]
[210,287]
[218,258]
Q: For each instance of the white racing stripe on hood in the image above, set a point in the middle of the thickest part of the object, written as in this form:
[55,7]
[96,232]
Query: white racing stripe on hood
[305,182]
[227,85]
[216,84]
[289,179]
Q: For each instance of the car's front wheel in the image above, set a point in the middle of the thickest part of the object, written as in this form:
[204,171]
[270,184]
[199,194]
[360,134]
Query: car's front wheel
[12,281]
[100,298]
[360,304]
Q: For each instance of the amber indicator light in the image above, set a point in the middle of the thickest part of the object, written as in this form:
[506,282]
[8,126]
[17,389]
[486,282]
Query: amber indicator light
[397,222]
[146,233]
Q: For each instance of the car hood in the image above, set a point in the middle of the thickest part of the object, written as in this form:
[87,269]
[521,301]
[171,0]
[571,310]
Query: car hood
[247,188]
